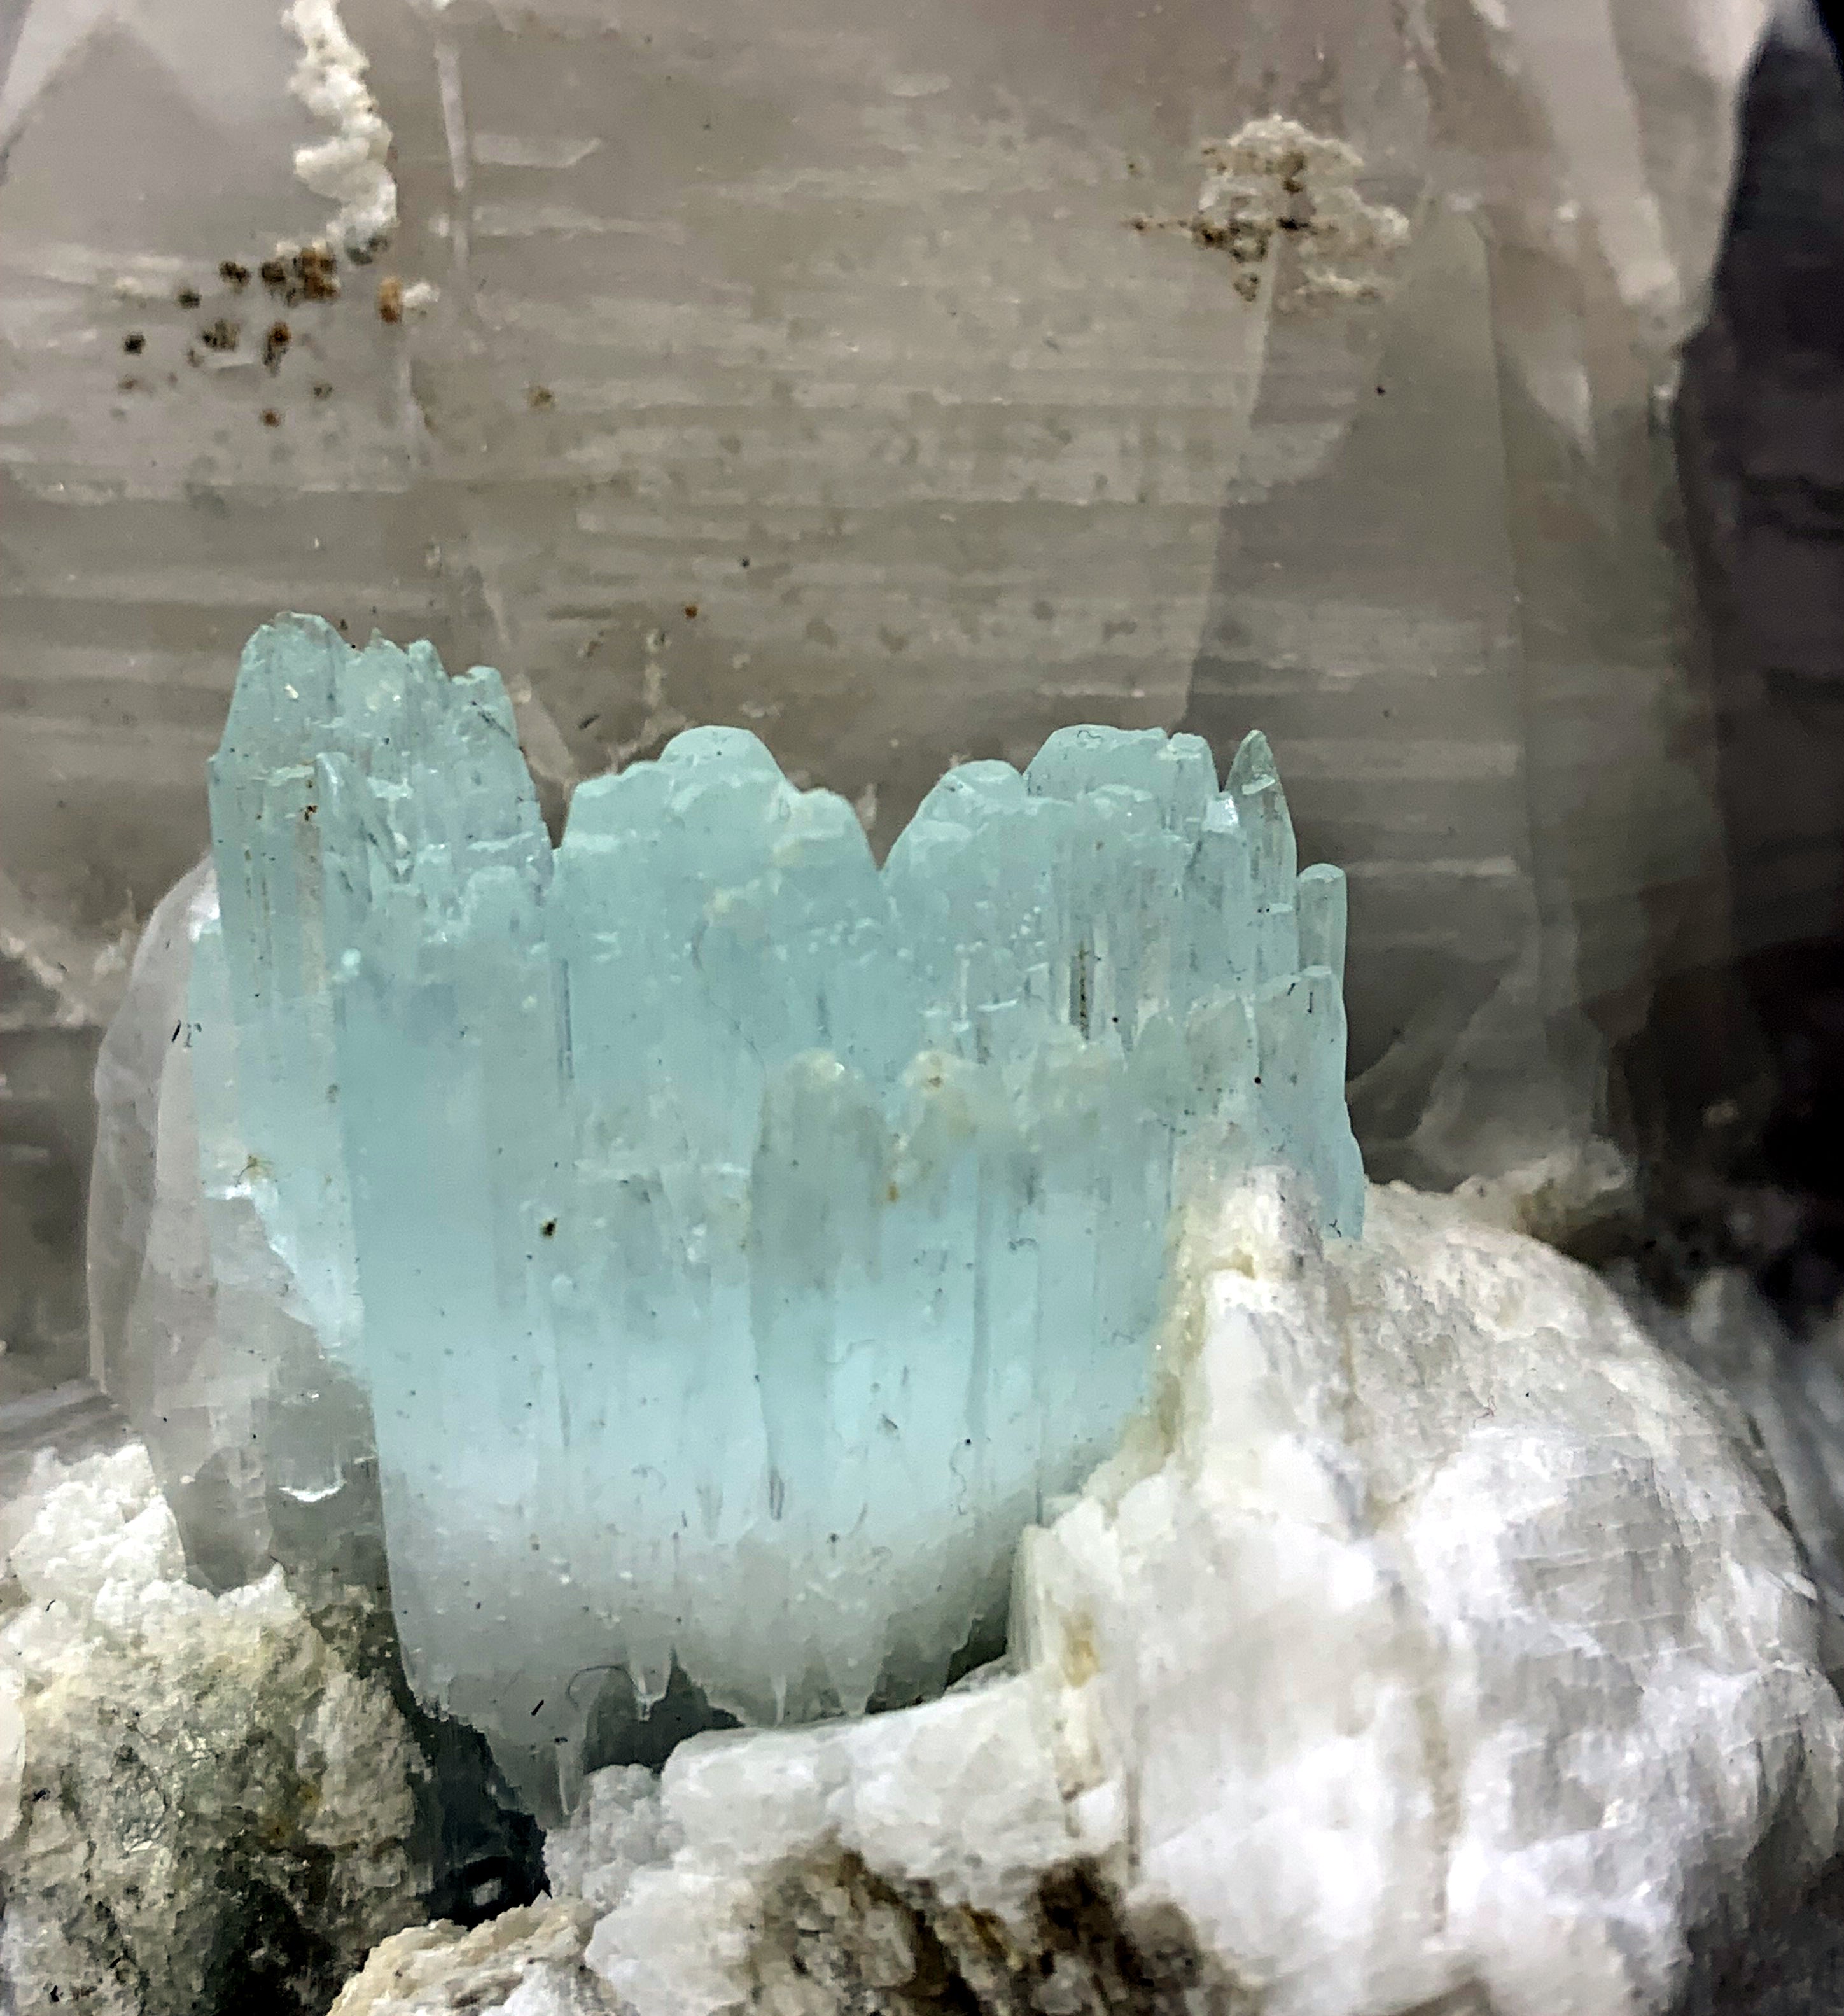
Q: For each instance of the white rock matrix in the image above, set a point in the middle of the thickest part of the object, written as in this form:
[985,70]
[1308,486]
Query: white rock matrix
[1435,1646]
[203,1806]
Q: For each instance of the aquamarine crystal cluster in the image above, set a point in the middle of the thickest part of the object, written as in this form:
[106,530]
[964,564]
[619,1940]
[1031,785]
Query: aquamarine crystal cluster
[738,1243]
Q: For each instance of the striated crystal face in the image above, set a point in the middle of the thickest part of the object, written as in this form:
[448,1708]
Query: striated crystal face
[738,1243]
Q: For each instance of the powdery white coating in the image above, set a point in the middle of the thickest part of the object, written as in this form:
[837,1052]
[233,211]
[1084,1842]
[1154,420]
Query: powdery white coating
[170,1758]
[1433,1637]
[1274,176]
[351,167]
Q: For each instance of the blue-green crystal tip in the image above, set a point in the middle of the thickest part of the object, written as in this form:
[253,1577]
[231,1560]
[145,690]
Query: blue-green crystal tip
[739,1242]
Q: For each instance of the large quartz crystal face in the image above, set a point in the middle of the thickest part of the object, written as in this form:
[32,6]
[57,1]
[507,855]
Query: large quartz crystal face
[830,325]
[738,1244]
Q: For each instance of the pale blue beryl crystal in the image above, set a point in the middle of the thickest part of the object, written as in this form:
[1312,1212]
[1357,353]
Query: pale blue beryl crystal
[739,1244]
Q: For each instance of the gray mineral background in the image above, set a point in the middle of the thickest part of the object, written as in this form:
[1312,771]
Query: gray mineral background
[802,367]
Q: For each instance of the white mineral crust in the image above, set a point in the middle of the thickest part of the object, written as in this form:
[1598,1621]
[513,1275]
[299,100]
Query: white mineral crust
[1434,1638]
[353,166]
[526,1962]
[170,1760]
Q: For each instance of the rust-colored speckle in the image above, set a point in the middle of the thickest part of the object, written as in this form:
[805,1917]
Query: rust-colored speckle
[390,299]
[691,609]
[270,417]
[233,273]
[275,345]
[1080,1656]
[316,272]
[309,275]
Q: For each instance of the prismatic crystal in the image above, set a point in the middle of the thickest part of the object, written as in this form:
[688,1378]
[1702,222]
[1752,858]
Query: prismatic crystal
[738,1243]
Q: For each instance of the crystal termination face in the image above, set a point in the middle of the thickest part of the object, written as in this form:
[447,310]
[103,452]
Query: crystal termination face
[739,1243]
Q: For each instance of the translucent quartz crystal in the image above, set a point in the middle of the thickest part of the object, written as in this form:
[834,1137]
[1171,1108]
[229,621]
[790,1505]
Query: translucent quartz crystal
[739,1243]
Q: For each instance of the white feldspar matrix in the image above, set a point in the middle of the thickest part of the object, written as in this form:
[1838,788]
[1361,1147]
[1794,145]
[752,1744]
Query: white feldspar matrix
[739,1243]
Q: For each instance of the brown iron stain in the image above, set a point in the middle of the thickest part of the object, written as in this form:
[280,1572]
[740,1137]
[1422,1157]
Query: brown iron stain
[317,272]
[270,417]
[275,345]
[1081,1660]
[834,1933]
[310,275]
[233,273]
[390,299]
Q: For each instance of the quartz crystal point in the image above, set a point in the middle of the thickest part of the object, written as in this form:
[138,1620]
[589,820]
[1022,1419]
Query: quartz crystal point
[738,1244]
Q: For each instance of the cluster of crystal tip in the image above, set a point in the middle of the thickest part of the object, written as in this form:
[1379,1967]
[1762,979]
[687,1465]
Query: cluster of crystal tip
[738,1243]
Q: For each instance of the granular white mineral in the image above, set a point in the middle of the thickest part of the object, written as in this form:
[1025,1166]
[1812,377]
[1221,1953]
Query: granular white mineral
[527,1962]
[202,1805]
[1434,1639]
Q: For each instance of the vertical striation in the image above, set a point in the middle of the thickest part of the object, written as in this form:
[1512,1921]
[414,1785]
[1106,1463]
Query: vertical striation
[739,1243]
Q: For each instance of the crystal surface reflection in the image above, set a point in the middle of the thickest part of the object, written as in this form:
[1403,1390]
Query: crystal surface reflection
[738,1243]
